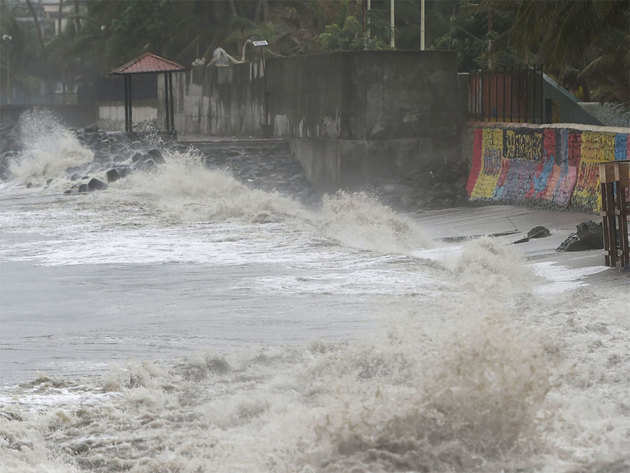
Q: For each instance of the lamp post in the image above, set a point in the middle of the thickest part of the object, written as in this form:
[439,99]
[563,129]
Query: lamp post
[422,25]
[392,24]
[6,39]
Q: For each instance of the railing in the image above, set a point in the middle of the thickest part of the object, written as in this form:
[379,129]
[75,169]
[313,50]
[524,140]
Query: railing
[507,95]
[614,178]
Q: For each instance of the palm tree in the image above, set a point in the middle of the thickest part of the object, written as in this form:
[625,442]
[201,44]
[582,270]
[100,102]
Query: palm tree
[585,41]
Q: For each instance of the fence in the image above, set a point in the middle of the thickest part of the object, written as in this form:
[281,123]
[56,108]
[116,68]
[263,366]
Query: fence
[507,95]
[614,180]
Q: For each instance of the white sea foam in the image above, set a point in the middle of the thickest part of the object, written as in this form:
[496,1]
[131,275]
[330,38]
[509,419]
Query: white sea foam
[48,150]
[438,389]
[469,369]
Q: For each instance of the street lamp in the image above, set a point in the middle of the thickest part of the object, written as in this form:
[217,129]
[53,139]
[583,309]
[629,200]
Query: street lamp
[6,39]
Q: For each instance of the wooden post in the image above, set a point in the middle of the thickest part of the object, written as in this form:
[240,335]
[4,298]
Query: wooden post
[614,180]
[622,178]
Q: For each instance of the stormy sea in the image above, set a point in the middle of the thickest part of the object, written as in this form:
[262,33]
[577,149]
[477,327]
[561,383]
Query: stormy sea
[209,312]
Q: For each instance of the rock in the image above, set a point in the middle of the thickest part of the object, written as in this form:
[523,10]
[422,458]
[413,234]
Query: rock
[156,155]
[123,171]
[589,236]
[83,188]
[96,185]
[538,232]
[75,177]
[137,158]
[146,166]
[112,175]
[591,233]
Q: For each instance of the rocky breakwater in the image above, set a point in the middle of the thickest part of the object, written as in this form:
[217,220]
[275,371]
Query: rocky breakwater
[262,164]
[116,155]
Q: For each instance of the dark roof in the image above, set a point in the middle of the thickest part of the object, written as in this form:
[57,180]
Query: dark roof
[148,63]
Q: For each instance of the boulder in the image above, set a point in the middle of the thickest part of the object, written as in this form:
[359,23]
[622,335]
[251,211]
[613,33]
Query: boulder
[83,188]
[137,157]
[112,175]
[156,155]
[538,232]
[96,185]
[123,171]
[589,236]
[146,166]
[592,234]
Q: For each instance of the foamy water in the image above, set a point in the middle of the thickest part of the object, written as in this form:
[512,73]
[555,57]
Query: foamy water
[181,321]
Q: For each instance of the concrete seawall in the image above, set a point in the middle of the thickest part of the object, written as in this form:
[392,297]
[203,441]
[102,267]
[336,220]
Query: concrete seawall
[551,165]
[352,119]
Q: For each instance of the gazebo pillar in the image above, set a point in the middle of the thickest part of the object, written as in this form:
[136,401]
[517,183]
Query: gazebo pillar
[167,115]
[171,102]
[128,105]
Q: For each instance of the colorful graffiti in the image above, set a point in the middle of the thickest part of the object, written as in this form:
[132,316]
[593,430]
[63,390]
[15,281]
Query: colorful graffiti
[551,166]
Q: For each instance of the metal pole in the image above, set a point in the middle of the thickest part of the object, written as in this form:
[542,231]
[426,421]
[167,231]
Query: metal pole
[392,23]
[511,91]
[496,97]
[542,95]
[503,107]
[422,25]
[369,20]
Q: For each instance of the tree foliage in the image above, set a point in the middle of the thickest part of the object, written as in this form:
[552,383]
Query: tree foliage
[583,43]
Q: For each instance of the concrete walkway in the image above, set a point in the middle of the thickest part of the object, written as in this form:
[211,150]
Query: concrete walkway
[513,223]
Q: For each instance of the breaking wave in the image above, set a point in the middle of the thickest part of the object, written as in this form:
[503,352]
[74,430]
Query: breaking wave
[438,390]
[48,150]
[458,379]
[184,191]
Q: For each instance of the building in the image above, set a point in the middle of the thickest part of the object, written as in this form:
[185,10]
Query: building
[53,16]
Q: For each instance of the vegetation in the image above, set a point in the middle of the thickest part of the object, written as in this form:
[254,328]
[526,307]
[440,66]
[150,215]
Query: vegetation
[583,43]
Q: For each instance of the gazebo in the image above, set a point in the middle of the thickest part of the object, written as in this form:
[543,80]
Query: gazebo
[149,63]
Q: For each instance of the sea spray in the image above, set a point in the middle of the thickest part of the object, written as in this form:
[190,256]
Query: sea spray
[478,374]
[437,389]
[48,149]
[184,191]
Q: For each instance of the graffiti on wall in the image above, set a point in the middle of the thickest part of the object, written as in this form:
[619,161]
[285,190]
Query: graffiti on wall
[489,165]
[552,166]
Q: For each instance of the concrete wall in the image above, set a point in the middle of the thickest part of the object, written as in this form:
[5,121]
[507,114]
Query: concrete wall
[111,115]
[75,116]
[352,118]
[552,165]
[218,101]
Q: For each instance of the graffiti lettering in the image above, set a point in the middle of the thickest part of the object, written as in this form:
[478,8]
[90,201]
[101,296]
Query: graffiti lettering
[521,144]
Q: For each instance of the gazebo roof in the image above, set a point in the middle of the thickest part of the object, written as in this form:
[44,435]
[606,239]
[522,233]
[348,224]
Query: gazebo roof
[148,63]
